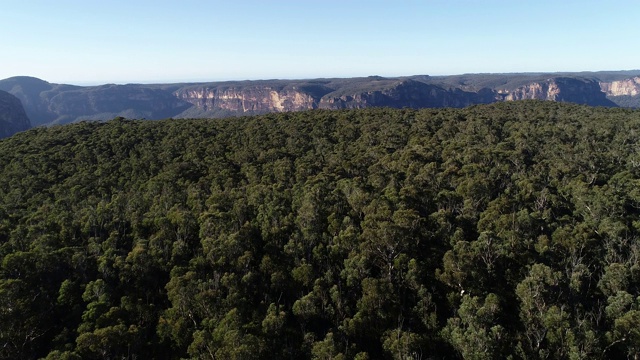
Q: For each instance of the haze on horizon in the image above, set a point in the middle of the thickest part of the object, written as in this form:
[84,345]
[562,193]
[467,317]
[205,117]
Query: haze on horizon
[90,42]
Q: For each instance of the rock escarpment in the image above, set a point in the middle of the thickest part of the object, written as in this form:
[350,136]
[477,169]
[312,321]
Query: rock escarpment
[251,99]
[627,87]
[624,92]
[13,118]
[575,90]
[378,92]
[47,103]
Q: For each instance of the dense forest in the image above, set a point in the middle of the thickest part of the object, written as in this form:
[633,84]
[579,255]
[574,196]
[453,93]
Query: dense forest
[509,230]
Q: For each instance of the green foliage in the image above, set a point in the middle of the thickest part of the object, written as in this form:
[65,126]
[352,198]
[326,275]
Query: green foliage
[496,231]
[475,332]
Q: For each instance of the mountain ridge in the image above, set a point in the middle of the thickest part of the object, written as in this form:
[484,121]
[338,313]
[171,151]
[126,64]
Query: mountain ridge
[48,103]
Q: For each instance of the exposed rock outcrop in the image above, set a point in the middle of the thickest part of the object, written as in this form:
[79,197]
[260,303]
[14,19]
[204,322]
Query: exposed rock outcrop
[47,103]
[575,90]
[627,87]
[261,98]
[13,118]
[249,99]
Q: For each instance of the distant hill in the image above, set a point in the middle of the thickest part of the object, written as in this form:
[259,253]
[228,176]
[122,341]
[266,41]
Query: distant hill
[47,103]
[13,118]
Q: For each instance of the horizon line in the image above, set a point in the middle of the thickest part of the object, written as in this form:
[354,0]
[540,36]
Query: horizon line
[89,83]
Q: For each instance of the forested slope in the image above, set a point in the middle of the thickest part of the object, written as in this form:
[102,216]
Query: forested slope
[477,233]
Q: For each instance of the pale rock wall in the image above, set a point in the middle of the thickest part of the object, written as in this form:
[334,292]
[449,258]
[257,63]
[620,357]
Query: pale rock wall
[535,91]
[575,90]
[247,99]
[627,87]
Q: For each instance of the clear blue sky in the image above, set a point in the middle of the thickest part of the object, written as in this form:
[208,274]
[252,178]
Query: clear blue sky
[99,41]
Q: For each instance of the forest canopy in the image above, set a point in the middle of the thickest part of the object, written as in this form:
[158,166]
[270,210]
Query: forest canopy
[492,231]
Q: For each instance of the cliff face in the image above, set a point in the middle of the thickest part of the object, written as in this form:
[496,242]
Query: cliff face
[628,87]
[625,93]
[262,98]
[576,90]
[13,118]
[252,99]
[47,103]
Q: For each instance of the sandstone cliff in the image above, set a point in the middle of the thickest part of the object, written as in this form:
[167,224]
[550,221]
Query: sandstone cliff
[47,103]
[13,118]
[251,99]
[625,92]
[627,87]
[576,90]
[255,98]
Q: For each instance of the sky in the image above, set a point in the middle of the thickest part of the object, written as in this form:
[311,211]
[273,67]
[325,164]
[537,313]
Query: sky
[140,41]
